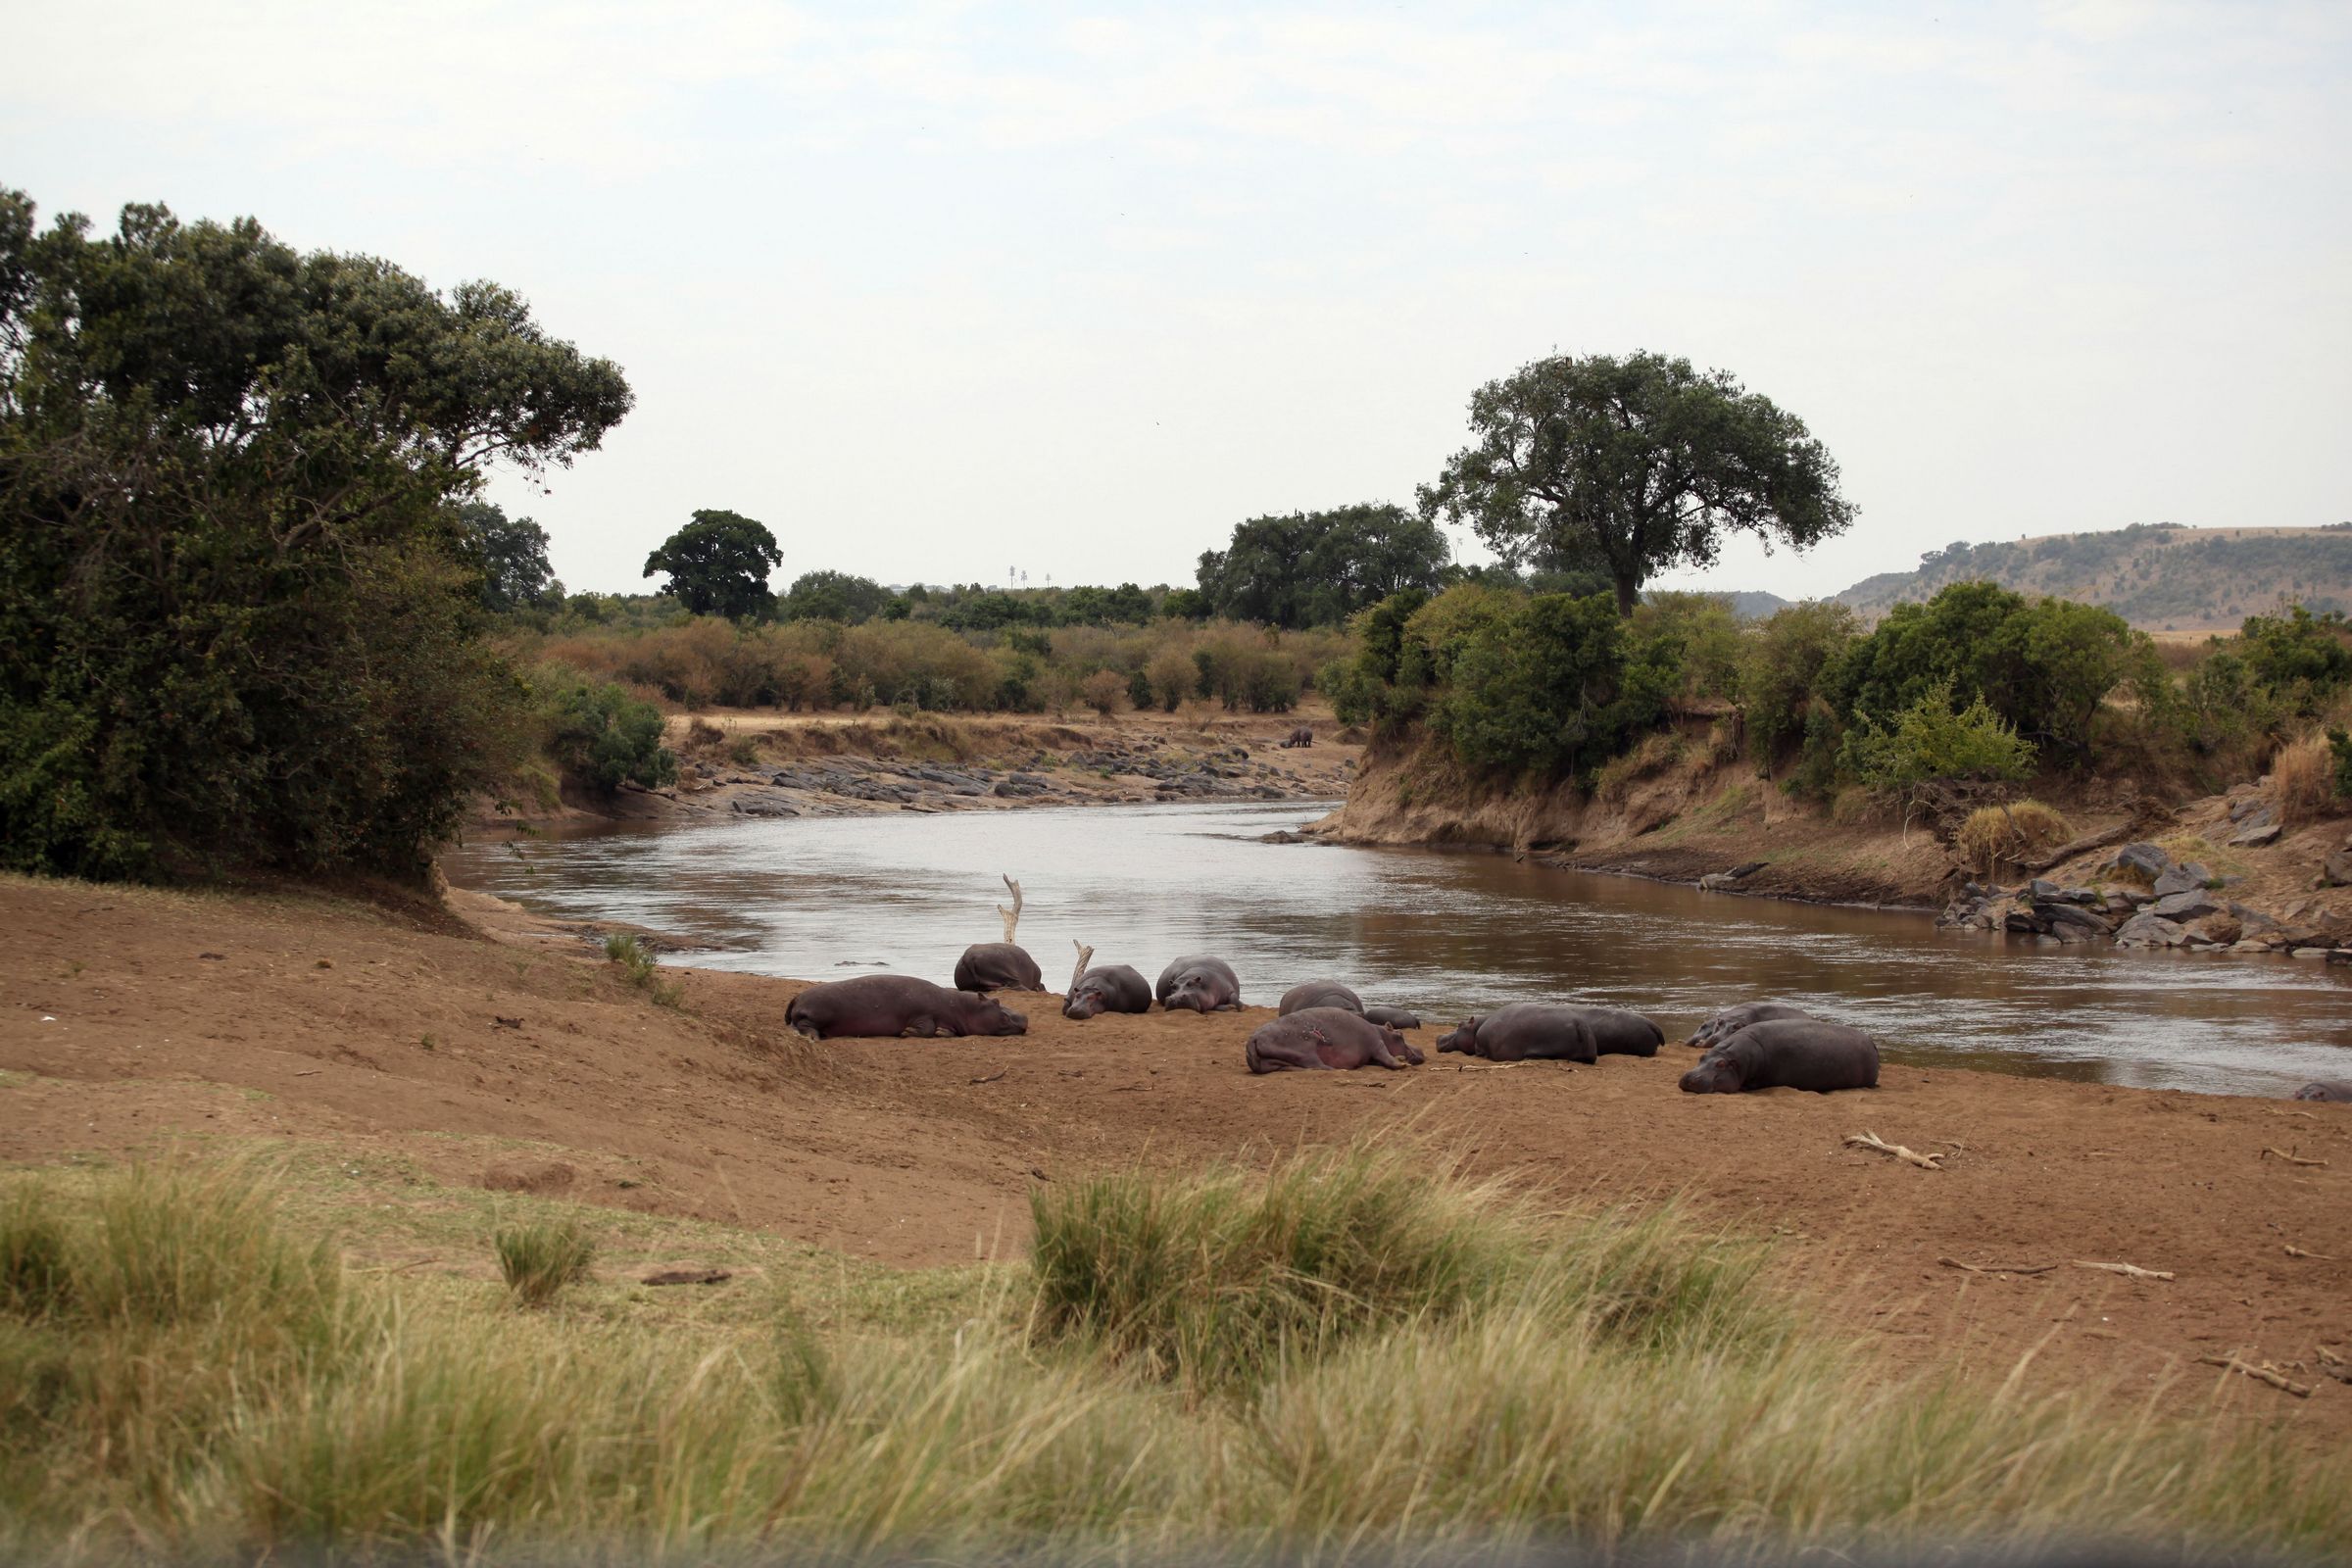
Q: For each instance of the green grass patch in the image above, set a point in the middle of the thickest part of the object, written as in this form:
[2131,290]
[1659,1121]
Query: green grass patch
[1351,1352]
[539,1258]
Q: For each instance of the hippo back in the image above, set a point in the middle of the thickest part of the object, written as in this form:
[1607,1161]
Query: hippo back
[2326,1089]
[1318,993]
[997,966]
[1393,1017]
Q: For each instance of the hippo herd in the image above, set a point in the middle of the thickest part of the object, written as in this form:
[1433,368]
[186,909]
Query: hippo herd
[1321,1025]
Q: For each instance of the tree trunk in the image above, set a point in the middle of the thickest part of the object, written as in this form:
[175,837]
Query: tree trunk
[1629,589]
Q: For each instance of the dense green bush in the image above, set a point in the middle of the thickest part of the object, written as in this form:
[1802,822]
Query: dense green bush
[1929,741]
[599,735]
[2299,659]
[1547,685]
[239,603]
[1781,665]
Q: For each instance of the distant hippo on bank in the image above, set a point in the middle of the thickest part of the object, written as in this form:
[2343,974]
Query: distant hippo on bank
[1112,988]
[997,966]
[1393,1017]
[1731,1021]
[1786,1053]
[1200,983]
[1318,993]
[887,1005]
[1555,1031]
[1301,736]
[2326,1089]
[1317,1038]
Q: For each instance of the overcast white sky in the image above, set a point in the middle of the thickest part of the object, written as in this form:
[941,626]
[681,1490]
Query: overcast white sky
[938,291]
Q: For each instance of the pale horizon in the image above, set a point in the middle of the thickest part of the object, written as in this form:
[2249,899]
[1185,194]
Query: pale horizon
[938,293]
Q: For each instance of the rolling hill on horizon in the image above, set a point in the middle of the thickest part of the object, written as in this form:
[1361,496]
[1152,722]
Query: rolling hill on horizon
[2160,576]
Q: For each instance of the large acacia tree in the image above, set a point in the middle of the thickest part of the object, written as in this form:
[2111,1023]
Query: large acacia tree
[1634,466]
[718,564]
[238,590]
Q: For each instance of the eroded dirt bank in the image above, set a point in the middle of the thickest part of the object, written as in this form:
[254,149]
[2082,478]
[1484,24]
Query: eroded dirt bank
[138,1020]
[771,765]
[2267,885]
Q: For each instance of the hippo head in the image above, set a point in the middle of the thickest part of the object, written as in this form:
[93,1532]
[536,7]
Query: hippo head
[1086,1001]
[1189,994]
[1714,1075]
[989,1016]
[1401,1047]
[1463,1039]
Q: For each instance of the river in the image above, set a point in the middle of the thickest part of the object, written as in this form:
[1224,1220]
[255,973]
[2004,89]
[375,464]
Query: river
[1447,934]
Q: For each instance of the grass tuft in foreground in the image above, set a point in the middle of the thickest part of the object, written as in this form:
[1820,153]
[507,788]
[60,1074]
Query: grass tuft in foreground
[539,1258]
[1352,1355]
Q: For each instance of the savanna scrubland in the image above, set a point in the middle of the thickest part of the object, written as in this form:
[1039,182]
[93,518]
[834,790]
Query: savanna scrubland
[262,651]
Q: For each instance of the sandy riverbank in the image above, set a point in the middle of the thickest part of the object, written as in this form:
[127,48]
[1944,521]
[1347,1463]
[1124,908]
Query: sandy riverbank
[145,1020]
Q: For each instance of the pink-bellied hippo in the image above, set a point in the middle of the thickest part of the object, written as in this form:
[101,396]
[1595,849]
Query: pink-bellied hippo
[1315,1038]
[885,1006]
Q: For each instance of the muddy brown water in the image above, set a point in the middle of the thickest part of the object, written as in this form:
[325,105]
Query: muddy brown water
[1448,934]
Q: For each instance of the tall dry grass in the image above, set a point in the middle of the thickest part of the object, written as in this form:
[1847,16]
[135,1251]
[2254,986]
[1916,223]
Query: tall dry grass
[1355,1353]
[1991,836]
[2303,780]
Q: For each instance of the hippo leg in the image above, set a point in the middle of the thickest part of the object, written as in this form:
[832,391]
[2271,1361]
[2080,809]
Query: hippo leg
[922,1026]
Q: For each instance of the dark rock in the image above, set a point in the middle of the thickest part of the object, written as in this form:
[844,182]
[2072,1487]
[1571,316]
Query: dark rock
[759,807]
[2067,915]
[2041,889]
[2149,931]
[2253,837]
[2146,859]
[2337,870]
[2181,879]
[2193,905]
[2024,922]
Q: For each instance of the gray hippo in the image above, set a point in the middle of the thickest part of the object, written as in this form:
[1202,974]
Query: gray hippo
[1555,1031]
[1108,987]
[2326,1089]
[1317,1038]
[1393,1017]
[997,966]
[1731,1021]
[1786,1053]
[1318,993]
[1200,983]
[887,1005]
[1301,736]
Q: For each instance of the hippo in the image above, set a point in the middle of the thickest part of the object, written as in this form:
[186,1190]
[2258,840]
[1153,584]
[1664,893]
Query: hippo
[1569,1031]
[1108,987]
[1318,993]
[1200,983]
[2326,1089]
[997,966]
[1301,736]
[892,1005]
[1393,1017]
[1786,1053]
[1731,1021]
[1317,1038]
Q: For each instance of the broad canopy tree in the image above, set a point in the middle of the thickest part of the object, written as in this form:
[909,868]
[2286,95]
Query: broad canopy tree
[1316,567]
[718,564]
[512,553]
[238,599]
[1634,466]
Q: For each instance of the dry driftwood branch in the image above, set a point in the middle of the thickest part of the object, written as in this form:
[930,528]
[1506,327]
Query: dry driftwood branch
[688,1276]
[1013,917]
[2128,1270]
[2333,1363]
[2080,846]
[1909,1157]
[1086,956]
[2292,1159]
[992,1077]
[2292,1251]
[1998,1268]
[2265,1373]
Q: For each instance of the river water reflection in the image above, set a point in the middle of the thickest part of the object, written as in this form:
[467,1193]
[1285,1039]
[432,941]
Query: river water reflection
[1448,934]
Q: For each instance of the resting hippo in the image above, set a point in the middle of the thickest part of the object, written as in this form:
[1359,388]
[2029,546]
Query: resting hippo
[997,966]
[1786,1053]
[1393,1017]
[1567,1031]
[890,1004]
[1199,982]
[1316,1037]
[1318,993]
[1112,988]
[1301,736]
[1731,1021]
[2326,1089]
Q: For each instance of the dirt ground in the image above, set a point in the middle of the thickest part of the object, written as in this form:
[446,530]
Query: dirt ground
[491,1051]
